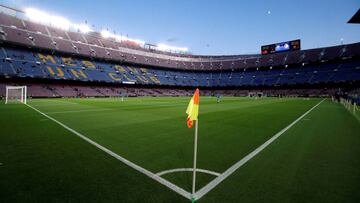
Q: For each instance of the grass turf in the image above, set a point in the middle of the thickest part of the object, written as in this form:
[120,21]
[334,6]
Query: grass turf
[316,160]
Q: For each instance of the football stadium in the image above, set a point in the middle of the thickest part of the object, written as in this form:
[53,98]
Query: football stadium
[88,114]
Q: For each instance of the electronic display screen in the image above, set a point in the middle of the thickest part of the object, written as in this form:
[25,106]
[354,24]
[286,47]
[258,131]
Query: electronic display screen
[280,47]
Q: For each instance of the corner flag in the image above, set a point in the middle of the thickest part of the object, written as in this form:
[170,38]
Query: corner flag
[193,109]
[193,112]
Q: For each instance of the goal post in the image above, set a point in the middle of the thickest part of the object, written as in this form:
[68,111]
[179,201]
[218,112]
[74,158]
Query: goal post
[255,94]
[16,94]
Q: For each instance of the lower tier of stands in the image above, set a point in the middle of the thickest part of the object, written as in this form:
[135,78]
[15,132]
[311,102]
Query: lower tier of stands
[39,90]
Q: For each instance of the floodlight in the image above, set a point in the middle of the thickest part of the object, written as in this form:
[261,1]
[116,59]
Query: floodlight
[164,47]
[60,22]
[36,15]
[83,28]
[106,34]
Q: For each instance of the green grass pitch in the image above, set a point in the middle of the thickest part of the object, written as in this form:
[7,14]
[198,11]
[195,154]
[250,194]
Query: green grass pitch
[316,160]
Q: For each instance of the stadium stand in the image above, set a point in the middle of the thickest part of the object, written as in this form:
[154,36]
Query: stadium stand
[31,50]
[23,63]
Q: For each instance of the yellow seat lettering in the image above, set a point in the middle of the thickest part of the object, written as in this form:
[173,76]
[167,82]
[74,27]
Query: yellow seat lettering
[58,73]
[88,64]
[78,73]
[114,76]
[46,58]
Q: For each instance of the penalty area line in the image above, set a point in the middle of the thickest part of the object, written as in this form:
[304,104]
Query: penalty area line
[207,188]
[159,179]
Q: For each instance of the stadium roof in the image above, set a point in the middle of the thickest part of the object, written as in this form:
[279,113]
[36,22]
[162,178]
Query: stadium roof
[355,18]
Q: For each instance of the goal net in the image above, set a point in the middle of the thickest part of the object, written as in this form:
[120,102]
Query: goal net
[16,94]
[255,94]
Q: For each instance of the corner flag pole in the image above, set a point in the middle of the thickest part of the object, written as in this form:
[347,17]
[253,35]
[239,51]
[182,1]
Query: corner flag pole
[195,155]
[193,111]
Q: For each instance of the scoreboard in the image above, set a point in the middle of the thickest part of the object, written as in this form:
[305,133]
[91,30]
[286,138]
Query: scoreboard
[281,47]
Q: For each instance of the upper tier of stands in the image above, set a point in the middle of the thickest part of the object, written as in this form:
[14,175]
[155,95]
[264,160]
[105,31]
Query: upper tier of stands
[16,62]
[30,34]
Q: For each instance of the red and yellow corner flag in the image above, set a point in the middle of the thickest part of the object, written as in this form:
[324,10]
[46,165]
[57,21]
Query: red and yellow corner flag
[193,109]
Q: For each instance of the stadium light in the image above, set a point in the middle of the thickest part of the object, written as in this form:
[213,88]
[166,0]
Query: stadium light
[120,38]
[60,22]
[63,23]
[164,47]
[84,28]
[42,17]
[106,34]
[54,21]
[36,15]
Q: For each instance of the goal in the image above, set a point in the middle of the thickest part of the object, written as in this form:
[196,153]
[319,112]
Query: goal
[16,94]
[255,94]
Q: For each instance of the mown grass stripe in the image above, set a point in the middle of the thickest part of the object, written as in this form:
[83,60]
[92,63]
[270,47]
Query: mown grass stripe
[207,188]
[163,181]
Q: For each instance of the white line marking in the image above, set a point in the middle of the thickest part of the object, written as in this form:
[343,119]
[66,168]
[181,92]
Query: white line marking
[78,111]
[65,102]
[54,103]
[207,188]
[187,169]
[166,183]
